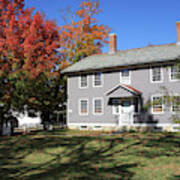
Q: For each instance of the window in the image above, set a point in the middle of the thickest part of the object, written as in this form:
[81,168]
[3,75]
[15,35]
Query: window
[83,128]
[98,106]
[156,74]
[115,107]
[97,128]
[125,77]
[157,105]
[83,81]
[98,79]
[83,107]
[175,104]
[174,73]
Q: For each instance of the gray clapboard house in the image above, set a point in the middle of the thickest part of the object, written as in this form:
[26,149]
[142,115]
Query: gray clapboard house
[112,90]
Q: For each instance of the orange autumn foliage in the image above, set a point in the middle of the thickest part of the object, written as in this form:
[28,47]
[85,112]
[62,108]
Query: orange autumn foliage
[84,36]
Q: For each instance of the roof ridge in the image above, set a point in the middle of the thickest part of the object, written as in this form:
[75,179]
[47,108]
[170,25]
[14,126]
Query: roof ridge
[131,49]
[148,46]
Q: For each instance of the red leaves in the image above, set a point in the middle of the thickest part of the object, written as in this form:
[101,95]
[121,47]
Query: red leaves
[29,39]
[29,43]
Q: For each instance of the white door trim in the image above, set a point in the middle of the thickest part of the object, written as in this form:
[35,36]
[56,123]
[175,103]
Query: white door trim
[130,120]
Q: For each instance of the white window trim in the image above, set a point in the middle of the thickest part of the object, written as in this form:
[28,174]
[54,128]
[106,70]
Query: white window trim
[83,99]
[85,87]
[98,98]
[163,106]
[102,81]
[151,76]
[172,80]
[129,82]
[174,112]
[113,110]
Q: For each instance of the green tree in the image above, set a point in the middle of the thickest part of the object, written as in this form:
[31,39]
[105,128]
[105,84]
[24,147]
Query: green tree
[28,52]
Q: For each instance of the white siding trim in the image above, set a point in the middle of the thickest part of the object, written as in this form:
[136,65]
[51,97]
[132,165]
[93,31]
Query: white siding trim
[102,100]
[116,125]
[93,124]
[79,107]
[151,77]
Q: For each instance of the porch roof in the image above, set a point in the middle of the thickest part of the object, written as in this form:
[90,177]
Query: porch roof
[123,90]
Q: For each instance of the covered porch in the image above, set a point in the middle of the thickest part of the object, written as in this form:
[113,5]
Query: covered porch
[126,103]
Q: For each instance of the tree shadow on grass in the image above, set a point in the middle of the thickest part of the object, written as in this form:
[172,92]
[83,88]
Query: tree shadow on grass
[80,157]
[164,145]
[152,145]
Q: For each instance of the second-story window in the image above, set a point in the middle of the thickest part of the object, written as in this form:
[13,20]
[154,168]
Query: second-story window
[125,77]
[97,79]
[83,81]
[174,73]
[156,74]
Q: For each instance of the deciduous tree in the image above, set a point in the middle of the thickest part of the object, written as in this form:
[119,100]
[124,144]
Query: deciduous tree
[28,52]
[83,36]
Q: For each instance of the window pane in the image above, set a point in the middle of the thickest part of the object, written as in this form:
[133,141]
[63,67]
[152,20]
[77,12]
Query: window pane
[97,79]
[84,81]
[156,74]
[174,72]
[125,73]
[176,104]
[98,106]
[83,106]
[157,104]
[116,109]
[125,76]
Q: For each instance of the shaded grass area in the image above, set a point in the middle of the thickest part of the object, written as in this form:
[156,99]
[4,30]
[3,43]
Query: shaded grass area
[124,156]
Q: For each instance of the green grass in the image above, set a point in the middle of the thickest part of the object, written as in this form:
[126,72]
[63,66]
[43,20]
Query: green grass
[49,156]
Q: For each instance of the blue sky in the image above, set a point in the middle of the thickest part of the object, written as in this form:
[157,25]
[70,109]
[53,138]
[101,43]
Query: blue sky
[137,23]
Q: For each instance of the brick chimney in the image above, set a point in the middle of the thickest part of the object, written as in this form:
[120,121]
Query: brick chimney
[178,31]
[112,43]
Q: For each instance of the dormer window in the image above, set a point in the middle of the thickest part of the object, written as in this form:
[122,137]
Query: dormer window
[125,77]
[97,79]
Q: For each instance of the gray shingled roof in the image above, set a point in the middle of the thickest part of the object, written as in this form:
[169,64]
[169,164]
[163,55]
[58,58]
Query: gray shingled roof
[149,54]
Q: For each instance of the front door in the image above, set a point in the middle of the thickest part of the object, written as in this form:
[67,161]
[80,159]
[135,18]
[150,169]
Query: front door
[126,112]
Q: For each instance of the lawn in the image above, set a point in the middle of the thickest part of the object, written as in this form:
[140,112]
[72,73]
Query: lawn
[53,156]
